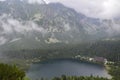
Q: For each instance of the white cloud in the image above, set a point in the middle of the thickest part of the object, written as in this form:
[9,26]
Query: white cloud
[94,8]
[2,0]
[111,8]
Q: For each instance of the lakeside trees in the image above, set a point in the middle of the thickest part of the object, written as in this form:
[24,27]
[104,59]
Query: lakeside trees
[115,70]
[11,72]
[64,77]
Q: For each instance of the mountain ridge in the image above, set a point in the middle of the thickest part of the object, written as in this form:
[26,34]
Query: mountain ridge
[51,23]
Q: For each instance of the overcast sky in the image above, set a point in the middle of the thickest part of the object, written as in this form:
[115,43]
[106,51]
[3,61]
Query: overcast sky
[92,8]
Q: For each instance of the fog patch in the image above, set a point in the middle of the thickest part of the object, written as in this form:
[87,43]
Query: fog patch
[11,25]
[3,40]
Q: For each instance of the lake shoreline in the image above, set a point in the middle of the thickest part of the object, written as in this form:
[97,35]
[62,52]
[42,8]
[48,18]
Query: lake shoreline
[71,59]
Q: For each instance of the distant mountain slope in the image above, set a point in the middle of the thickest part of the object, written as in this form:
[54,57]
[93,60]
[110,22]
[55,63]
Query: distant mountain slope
[37,25]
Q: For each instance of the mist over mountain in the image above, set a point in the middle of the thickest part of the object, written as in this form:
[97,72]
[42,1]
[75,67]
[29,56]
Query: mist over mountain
[26,24]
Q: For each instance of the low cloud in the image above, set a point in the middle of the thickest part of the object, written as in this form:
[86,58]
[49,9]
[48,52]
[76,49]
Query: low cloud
[2,40]
[10,26]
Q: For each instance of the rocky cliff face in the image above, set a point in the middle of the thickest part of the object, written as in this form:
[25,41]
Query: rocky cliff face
[23,24]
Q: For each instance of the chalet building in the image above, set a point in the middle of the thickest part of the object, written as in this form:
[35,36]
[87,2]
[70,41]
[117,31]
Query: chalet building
[100,60]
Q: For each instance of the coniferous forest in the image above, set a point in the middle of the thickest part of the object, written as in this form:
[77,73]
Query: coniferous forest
[11,72]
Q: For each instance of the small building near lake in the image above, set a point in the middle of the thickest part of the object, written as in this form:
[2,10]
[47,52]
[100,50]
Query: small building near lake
[100,60]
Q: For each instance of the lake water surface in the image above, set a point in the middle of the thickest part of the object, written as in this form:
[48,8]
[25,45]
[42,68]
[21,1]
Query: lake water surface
[58,67]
